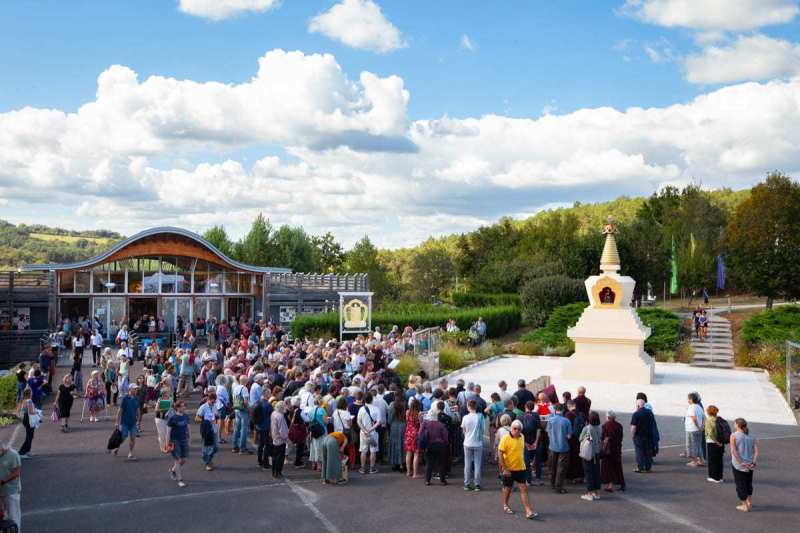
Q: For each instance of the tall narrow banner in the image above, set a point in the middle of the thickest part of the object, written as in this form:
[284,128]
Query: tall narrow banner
[673,284]
[720,272]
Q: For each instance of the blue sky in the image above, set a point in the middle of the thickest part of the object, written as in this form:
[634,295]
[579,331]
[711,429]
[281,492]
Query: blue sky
[556,64]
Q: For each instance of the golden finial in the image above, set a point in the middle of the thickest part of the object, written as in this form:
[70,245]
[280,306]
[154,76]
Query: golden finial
[609,261]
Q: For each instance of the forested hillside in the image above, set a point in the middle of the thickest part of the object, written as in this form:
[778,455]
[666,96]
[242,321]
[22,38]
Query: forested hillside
[21,244]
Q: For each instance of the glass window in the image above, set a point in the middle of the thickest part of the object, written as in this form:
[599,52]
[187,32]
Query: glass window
[183,281]
[215,308]
[117,281]
[184,310]
[82,282]
[99,281]
[245,283]
[200,281]
[135,281]
[168,275]
[169,313]
[66,281]
[231,282]
[151,278]
[117,316]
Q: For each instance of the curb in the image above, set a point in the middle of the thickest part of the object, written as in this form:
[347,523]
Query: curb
[473,365]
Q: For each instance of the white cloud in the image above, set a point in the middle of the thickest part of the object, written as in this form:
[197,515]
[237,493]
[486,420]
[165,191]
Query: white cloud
[730,15]
[467,43]
[223,9]
[358,24]
[660,51]
[159,151]
[755,57]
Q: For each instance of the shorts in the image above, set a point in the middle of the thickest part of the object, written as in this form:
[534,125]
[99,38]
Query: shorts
[369,444]
[514,475]
[127,430]
[180,449]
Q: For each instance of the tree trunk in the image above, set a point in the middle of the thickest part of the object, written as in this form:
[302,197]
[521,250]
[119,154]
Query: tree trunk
[769,302]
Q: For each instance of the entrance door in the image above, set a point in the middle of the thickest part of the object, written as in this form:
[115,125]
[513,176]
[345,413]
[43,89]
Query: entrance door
[74,308]
[139,307]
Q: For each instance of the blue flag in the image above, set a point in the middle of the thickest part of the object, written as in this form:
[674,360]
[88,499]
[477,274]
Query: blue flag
[720,272]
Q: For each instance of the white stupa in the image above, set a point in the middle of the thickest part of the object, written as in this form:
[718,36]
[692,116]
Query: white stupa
[609,336]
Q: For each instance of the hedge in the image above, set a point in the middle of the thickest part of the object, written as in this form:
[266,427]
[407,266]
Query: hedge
[8,392]
[499,320]
[665,328]
[484,299]
[775,325]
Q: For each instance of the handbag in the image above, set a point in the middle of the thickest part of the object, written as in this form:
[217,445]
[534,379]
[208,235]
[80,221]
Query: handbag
[55,415]
[297,431]
[115,440]
[587,452]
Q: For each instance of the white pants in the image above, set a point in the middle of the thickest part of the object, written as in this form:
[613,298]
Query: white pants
[11,507]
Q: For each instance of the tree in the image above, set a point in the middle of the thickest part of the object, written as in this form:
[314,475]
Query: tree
[217,236]
[255,247]
[328,254]
[292,248]
[363,259]
[763,239]
[431,271]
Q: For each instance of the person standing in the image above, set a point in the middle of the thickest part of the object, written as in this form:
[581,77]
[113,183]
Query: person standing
[262,418]
[582,403]
[27,412]
[523,394]
[693,424]
[240,399]
[715,444]
[10,486]
[591,467]
[413,417]
[611,446]
[368,420]
[512,469]
[208,415]
[97,344]
[531,431]
[744,458]
[433,442]
[126,420]
[641,430]
[279,431]
[64,399]
[397,431]
[78,343]
[559,430]
[179,437]
[472,424]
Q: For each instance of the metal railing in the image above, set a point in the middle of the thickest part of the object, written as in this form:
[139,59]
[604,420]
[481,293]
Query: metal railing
[321,282]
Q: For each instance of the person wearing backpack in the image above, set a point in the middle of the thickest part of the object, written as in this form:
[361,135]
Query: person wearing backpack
[575,471]
[241,401]
[717,433]
[317,427]
[368,420]
[531,430]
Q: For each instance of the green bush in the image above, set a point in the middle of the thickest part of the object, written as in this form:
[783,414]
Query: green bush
[665,329]
[408,366]
[539,296]
[779,324]
[554,332]
[483,299]
[8,392]
[499,320]
[456,337]
[451,358]
[527,348]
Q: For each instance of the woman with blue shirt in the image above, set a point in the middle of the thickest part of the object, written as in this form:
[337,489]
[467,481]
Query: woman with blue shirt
[179,438]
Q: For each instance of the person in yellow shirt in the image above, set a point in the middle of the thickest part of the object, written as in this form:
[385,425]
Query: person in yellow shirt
[512,468]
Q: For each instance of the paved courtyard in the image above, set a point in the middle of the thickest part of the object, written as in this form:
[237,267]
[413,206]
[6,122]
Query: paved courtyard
[72,484]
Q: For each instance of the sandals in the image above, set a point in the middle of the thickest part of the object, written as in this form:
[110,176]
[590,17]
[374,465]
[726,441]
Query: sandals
[507,510]
[533,516]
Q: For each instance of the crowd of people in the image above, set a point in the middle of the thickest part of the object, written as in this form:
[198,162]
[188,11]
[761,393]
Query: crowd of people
[335,406]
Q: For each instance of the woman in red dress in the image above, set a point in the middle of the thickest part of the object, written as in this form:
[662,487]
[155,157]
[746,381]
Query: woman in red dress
[412,431]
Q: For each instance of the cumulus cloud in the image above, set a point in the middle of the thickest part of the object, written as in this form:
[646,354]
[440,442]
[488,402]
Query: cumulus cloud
[158,151]
[223,9]
[754,57]
[358,24]
[712,14]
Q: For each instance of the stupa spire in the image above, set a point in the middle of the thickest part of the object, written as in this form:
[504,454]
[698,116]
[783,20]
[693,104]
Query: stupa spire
[609,261]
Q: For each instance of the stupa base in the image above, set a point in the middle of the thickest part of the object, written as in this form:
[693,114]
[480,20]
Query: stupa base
[614,362]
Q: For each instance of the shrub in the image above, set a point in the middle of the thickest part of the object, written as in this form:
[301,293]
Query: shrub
[554,332]
[527,348]
[456,337]
[451,358]
[8,392]
[499,320]
[775,325]
[483,299]
[539,296]
[408,366]
[665,329]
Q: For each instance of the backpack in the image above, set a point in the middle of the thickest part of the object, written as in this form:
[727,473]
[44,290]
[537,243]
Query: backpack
[315,427]
[238,401]
[723,431]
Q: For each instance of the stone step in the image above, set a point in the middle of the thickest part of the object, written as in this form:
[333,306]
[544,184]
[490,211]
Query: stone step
[710,364]
[721,352]
[714,357]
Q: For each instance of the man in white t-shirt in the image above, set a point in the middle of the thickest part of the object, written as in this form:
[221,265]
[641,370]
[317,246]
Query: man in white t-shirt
[368,420]
[473,426]
[383,411]
[97,345]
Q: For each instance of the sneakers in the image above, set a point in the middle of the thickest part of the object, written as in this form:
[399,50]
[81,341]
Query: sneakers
[209,468]
[587,497]
[362,471]
[373,470]
[172,475]
[712,480]
[468,488]
[181,484]
[477,488]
